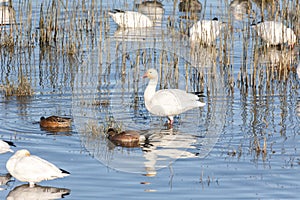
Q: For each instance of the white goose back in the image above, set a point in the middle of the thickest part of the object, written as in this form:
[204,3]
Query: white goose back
[275,33]
[206,31]
[130,19]
[33,169]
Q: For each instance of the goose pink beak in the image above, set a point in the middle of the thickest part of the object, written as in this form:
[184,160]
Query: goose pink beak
[145,75]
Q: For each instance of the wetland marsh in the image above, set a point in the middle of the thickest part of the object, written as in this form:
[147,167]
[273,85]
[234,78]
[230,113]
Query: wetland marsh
[69,58]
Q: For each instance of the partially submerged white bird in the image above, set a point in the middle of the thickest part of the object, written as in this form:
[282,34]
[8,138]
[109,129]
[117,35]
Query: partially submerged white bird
[32,169]
[130,19]
[275,33]
[5,146]
[206,31]
[167,102]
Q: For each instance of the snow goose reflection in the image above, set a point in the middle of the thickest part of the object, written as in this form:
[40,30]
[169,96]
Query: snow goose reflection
[37,192]
[275,57]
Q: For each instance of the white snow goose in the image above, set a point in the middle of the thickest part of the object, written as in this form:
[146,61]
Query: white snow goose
[5,146]
[167,102]
[275,33]
[32,169]
[130,19]
[206,31]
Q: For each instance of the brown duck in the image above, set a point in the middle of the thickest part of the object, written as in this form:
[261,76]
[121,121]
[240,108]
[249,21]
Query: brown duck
[127,138]
[55,122]
[190,6]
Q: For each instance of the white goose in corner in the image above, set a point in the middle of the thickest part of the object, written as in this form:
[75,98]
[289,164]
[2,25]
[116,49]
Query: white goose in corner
[275,33]
[33,169]
[5,146]
[130,19]
[167,102]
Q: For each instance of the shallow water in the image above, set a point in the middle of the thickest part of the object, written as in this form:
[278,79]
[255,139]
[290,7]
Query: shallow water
[212,152]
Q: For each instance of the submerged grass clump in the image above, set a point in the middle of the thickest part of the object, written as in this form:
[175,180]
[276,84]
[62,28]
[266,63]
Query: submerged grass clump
[22,89]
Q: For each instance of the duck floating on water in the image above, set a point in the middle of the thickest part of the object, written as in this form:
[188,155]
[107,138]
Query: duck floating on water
[55,122]
[127,138]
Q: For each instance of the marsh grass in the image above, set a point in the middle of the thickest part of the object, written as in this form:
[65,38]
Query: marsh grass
[73,28]
[22,89]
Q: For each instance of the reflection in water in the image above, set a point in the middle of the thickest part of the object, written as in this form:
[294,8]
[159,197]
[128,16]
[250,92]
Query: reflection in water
[58,131]
[204,56]
[160,149]
[274,57]
[37,192]
[166,146]
[137,34]
[113,72]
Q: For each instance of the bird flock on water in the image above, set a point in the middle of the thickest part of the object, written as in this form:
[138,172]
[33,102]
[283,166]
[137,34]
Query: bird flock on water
[208,30]
[25,167]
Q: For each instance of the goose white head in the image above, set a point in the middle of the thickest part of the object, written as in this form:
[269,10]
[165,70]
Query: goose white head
[151,74]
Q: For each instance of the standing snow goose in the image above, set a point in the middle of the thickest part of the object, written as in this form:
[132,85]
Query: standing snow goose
[167,102]
[206,31]
[130,19]
[275,33]
[5,146]
[32,169]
